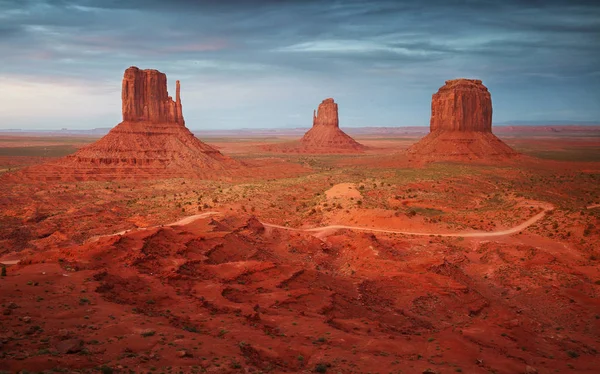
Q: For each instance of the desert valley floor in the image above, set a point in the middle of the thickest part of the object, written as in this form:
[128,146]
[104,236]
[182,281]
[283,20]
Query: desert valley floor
[344,263]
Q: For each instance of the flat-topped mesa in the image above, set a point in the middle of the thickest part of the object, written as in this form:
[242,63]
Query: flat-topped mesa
[145,98]
[461,105]
[461,126]
[327,114]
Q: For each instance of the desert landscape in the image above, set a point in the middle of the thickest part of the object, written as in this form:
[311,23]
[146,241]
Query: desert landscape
[299,187]
[150,250]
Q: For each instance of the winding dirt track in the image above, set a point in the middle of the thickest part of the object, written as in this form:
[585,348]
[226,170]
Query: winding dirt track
[324,229]
[510,231]
[187,220]
[183,221]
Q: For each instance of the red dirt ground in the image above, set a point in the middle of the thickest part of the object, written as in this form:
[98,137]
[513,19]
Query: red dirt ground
[228,294]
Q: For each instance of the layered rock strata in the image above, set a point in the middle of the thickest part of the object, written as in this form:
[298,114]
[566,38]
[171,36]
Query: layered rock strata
[325,133]
[152,142]
[461,125]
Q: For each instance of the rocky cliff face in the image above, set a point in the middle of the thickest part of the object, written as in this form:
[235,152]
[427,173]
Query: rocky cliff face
[461,105]
[325,136]
[145,98]
[461,126]
[327,114]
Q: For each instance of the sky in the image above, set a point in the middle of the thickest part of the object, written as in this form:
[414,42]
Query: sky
[268,64]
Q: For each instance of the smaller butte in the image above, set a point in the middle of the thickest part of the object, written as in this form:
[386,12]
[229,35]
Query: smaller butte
[461,126]
[325,136]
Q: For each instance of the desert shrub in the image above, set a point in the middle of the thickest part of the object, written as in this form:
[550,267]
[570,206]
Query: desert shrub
[573,354]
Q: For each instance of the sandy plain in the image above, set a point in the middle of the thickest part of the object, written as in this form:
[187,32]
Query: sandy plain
[349,264]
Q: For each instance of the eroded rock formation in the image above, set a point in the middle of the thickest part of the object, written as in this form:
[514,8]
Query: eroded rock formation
[325,135]
[326,114]
[151,142]
[145,97]
[461,125]
[461,105]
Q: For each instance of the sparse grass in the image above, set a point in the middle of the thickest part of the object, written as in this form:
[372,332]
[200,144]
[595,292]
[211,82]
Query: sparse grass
[428,212]
[582,154]
[290,202]
[38,151]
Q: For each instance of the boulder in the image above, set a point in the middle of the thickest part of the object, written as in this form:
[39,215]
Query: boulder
[69,346]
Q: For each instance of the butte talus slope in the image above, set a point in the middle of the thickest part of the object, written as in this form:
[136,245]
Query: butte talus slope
[461,126]
[151,142]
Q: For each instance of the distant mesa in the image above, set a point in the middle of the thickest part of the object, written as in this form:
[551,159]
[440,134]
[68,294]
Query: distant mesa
[325,136]
[152,142]
[461,125]
[326,132]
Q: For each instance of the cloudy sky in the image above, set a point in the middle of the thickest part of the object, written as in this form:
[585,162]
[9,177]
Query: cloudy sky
[245,63]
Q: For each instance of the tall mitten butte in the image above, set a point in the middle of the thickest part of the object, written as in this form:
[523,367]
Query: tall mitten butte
[151,142]
[145,97]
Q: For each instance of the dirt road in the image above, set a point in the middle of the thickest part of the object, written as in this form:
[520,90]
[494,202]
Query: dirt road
[513,230]
[546,208]
[324,229]
[510,231]
[183,221]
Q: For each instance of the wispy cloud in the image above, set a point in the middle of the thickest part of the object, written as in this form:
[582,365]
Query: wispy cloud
[381,59]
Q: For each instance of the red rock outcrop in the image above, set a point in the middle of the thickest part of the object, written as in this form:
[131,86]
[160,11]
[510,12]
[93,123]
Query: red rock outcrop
[145,97]
[325,136]
[152,141]
[326,114]
[461,125]
[461,105]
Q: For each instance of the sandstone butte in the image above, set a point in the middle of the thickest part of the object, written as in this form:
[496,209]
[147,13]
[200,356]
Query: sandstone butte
[151,142]
[461,125]
[325,133]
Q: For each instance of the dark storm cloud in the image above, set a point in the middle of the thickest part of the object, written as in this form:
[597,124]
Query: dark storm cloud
[367,46]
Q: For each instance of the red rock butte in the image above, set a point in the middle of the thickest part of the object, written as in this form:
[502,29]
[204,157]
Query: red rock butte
[461,125]
[152,142]
[325,133]
[145,98]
